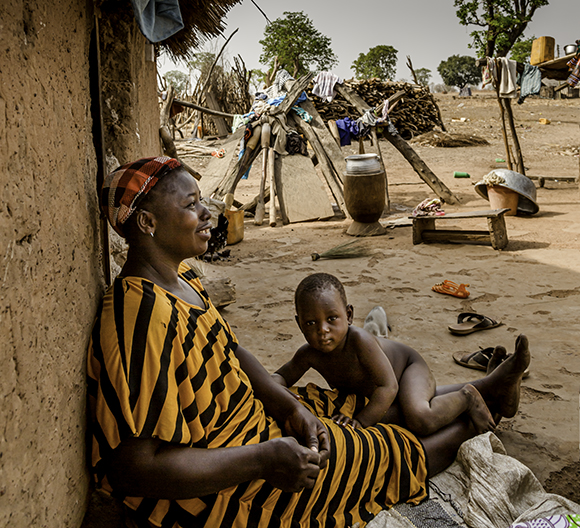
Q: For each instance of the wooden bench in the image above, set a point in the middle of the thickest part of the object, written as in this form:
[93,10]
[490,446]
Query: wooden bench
[424,229]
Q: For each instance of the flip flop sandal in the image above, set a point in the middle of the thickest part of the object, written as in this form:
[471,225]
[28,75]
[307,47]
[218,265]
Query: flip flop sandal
[468,322]
[451,288]
[479,360]
[474,360]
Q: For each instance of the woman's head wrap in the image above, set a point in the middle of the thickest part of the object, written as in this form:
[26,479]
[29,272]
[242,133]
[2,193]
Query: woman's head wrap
[126,186]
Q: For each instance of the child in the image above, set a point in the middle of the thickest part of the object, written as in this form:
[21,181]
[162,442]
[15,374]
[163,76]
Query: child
[383,371]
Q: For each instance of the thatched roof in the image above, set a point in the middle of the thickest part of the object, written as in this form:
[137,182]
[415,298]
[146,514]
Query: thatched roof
[202,20]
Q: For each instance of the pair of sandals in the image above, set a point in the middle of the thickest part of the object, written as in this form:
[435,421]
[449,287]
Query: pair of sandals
[468,323]
[479,360]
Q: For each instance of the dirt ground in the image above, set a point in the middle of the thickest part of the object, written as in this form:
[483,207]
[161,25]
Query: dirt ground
[532,286]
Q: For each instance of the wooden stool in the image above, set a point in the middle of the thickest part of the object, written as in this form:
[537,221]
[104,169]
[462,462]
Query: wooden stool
[424,229]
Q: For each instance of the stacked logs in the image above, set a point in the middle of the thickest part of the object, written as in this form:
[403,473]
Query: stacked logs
[414,114]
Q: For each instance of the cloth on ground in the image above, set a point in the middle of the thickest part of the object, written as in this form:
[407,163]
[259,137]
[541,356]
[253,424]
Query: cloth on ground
[158,19]
[488,489]
[324,85]
[554,521]
[507,86]
[530,82]
[207,402]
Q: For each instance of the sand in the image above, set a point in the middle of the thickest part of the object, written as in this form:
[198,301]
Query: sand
[533,286]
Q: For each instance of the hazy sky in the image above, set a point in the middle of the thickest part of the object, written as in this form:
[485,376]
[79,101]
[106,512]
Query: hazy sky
[427,30]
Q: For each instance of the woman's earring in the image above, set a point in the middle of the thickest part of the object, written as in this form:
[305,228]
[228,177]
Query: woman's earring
[152,234]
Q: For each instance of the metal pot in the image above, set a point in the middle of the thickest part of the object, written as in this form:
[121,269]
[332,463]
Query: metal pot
[570,48]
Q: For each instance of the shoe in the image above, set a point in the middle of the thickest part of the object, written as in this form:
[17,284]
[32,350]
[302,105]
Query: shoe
[451,288]
[468,322]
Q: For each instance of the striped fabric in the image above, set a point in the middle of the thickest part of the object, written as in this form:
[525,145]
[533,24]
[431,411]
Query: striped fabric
[159,367]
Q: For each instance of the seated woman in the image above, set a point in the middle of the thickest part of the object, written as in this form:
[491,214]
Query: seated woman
[190,430]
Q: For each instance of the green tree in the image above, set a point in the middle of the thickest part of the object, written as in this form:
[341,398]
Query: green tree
[459,71]
[522,50]
[179,81]
[423,76]
[380,62]
[292,42]
[503,23]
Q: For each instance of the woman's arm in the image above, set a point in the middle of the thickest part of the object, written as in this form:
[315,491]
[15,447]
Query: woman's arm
[380,374]
[284,407]
[146,467]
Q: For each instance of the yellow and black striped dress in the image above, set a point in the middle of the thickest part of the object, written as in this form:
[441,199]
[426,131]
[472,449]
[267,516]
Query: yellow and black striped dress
[160,367]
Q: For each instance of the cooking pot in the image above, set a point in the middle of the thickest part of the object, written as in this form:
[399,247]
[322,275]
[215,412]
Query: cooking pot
[570,48]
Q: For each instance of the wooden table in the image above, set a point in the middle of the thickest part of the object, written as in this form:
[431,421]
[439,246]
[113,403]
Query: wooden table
[424,229]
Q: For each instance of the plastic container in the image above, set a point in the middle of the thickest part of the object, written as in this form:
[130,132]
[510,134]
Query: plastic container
[458,174]
[235,226]
[501,197]
[542,50]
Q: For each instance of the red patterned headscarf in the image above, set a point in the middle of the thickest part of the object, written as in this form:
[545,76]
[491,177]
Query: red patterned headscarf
[126,186]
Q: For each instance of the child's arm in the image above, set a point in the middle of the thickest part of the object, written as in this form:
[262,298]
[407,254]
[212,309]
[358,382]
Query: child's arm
[288,374]
[380,374]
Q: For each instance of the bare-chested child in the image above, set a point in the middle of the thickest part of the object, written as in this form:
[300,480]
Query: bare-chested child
[393,377]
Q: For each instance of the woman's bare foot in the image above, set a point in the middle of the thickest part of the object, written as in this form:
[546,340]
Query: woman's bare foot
[503,384]
[497,357]
[478,410]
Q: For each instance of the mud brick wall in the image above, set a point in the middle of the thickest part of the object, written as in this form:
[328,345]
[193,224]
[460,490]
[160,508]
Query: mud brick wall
[50,253]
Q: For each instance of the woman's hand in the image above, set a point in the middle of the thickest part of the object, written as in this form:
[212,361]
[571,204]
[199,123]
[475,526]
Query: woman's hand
[309,431]
[343,420]
[290,466]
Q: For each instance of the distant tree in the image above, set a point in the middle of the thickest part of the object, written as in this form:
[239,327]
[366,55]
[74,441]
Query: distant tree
[423,76]
[179,80]
[292,42]
[522,50]
[459,71]
[379,62]
[503,23]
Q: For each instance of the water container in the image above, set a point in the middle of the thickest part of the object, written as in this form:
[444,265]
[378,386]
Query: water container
[542,50]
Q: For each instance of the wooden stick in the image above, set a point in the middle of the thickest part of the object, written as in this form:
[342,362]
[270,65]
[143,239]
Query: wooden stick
[203,109]
[518,157]
[261,206]
[271,164]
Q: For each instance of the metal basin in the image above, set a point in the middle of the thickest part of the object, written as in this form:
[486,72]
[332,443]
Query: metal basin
[518,183]
[363,164]
[569,49]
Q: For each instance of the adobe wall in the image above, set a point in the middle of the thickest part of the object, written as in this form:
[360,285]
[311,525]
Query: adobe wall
[50,270]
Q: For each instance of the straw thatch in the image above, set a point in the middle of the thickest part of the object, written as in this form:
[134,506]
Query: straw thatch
[202,20]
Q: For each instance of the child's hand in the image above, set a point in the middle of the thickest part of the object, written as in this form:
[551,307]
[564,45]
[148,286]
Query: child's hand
[343,420]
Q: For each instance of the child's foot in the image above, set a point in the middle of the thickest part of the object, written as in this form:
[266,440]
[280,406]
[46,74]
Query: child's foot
[507,378]
[478,411]
[497,357]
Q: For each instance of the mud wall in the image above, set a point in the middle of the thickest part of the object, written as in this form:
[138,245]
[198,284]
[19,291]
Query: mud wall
[50,251]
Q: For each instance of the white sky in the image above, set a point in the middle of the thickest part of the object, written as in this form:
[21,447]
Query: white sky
[427,30]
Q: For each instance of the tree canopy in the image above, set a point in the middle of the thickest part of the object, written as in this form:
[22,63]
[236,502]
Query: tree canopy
[179,81]
[459,71]
[503,23]
[292,42]
[380,62]
[423,76]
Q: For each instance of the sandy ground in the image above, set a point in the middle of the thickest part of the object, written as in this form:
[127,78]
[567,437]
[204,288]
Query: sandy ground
[533,286]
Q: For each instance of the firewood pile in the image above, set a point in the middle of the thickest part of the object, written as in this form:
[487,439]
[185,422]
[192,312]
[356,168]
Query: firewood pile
[414,114]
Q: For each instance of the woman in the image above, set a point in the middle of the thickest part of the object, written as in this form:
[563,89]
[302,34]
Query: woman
[188,428]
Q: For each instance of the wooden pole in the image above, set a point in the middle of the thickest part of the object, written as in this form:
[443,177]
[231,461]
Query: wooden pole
[518,156]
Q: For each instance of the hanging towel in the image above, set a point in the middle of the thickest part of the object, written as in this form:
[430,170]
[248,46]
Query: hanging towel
[158,19]
[507,87]
[324,85]
[530,82]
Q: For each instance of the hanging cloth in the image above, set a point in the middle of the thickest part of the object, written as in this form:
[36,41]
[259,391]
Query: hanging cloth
[158,19]
[507,87]
[530,82]
[324,85]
